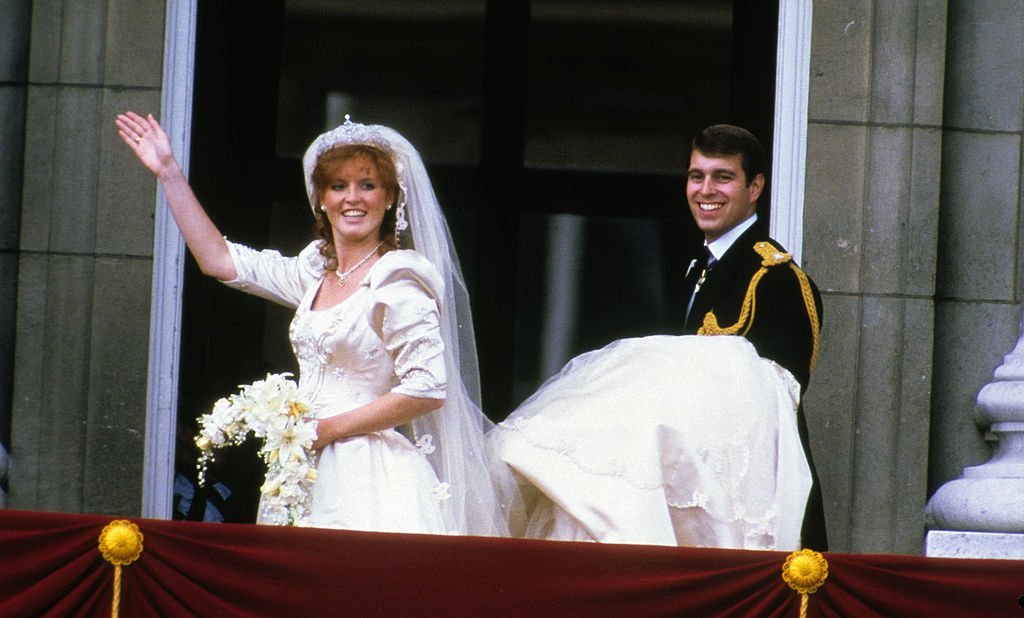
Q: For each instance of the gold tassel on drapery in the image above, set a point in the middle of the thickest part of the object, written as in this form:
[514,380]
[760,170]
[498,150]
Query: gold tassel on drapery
[805,571]
[120,544]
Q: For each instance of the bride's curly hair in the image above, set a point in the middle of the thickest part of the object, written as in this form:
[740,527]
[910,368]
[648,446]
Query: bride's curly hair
[385,165]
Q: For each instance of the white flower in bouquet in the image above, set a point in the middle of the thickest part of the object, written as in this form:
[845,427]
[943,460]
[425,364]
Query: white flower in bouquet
[223,424]
[273,410]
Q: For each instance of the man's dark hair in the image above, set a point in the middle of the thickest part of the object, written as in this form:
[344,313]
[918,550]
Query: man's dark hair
[726,140]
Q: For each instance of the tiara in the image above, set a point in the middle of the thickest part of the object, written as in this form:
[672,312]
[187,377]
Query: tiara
[347,133]
[351,133]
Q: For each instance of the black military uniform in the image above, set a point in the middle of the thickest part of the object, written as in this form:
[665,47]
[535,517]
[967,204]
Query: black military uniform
[756,291]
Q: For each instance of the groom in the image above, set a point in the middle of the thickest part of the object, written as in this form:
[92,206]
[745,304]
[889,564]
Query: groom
[742,282]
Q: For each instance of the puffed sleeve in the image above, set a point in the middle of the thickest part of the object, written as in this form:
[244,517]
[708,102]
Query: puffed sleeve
[270,275]
[404,312]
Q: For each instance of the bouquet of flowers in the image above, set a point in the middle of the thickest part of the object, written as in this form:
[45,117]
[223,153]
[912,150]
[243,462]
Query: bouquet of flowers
[270,409]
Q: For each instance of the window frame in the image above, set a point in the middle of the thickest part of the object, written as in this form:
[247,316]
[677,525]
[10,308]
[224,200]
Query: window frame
[786,218]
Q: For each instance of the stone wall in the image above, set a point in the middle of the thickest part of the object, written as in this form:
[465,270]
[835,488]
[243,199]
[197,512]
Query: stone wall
[978,305]
[871,241]
[84,259]
[13,89]
[913,231]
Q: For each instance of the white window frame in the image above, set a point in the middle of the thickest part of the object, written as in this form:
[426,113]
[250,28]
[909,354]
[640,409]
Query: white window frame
[786,223]
[789,154]
[168,269]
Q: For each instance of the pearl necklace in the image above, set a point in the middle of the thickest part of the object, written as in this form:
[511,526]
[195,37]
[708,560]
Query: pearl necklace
[343,277]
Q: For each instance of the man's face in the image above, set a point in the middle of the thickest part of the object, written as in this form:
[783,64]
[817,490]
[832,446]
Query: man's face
[718,193]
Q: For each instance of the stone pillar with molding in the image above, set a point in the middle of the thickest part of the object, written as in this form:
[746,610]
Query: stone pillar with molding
[981,514]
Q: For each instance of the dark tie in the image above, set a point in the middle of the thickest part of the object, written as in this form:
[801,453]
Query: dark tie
[707,262]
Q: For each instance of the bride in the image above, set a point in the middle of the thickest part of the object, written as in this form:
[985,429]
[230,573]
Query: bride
[664,440]
[382,331]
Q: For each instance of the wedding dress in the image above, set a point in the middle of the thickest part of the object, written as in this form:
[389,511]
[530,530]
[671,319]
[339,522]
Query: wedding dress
[407,330]
[384,338]
[661,440]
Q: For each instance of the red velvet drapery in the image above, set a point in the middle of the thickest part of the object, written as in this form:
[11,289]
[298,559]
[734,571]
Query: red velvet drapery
[50,566]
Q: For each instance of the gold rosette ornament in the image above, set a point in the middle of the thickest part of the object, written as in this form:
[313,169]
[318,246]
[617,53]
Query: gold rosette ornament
[805,571]
[120,545]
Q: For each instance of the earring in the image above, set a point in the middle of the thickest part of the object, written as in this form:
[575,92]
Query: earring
[388,207]
[323,208]
[400,223]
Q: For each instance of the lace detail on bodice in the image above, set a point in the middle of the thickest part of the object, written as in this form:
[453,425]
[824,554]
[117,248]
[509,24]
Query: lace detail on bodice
[385,337]
[342,364]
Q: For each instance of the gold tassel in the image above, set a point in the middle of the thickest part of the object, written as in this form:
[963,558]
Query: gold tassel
[805,571]
[770,256]
[120,544]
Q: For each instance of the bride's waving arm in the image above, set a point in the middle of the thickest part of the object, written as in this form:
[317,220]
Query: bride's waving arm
[152,147]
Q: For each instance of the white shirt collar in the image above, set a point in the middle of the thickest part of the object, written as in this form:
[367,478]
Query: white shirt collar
[720,245]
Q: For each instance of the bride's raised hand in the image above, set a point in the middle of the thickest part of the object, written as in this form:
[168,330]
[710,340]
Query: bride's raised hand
[153,148]
[147,140]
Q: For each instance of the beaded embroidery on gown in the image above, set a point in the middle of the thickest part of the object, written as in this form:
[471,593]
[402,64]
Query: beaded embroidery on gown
[661,440]
[384,338]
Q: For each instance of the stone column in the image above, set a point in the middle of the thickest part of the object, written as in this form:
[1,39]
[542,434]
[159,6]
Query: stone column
[871,216]
[84,259]
[979,288]
[981,514]
[17,16]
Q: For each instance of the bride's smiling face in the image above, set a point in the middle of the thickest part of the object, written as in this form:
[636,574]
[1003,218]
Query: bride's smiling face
[355,200]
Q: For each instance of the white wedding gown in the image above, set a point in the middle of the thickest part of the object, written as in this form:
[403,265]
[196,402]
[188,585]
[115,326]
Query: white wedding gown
[384,338]
[661,440]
